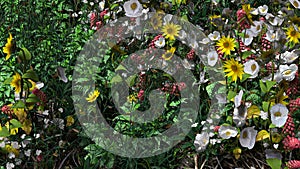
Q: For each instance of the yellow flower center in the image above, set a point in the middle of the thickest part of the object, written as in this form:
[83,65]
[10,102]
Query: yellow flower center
[296,4]
[212,58]
[234,68]
[253,67]
[258,27]
[293,33]
[277,114]
[226,44]
[247,36]
[245,135]
[170,31]
[287,72]
[133,6]
[228,133]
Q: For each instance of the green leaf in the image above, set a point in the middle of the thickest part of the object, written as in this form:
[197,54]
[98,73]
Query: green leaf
[8,80]
[32,98]
[4,132]
[245,77]
[15,123]
[246,54]
[270,84]
[231,94]
[116,79]
[263,87]
[210,88]
[24,54]
[271,126]
[19,104]
[274,163]
[30,74]
[265,106]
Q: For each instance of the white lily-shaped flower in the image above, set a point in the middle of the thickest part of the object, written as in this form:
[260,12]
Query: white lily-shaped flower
[277,21]
[238,99]
[212,58]
[256,28]
[247,137]
[248,37]
[263,10]
[251,67]
[201,141]
[288,72]
[239,115]
[289,57]
[214,36]
[295,3]
[272,36]
[279,114]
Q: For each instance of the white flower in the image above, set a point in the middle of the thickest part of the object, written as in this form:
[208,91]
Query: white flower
[288,72]
[226,132]
[204,41]
[238,99]
[289,57]
[2,144]
[11,155]
[263,10]
[15,145]
[256,28]
[194,125]
[212,58]
[101,5]
[133,8]
[201,141]
[272,36]
[247,137]
[214,36]
[248,37]
[10,165]
[38,152]
[160,43]
[275,146]
[27,152]
[239,115]
[264,115]
[251,67]
[279,114]
[277,21]
[295,3]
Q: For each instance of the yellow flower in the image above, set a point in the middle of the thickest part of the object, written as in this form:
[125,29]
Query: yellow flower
[21,114]
[156,21]
[27,126]
[293,34]
[237,152]
[13,131]
[8,47]
[212,18]
[132,98]
[70,121]
[169,54]
[93,96]
[171,30]
[233,69]
[261,135]
[16,82]
[226,44]
[247,8]
[33,85]
[10,149]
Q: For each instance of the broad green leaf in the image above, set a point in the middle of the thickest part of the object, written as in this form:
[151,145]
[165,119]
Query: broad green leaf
[116,79]
[15,123]
[246,54]
[231,95]
[265,106]
[4,132]
[32,98]
[19,104]
[30,74]
[8,80]
[263,87]
[270,84]
[245,77]
[274,163]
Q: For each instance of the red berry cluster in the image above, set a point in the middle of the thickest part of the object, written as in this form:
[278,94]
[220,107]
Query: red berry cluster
[191,55]
[293,86]
[241,19]
[5,109]
[173,88]
[266,45]
[294,105]
[291,143]
[243,47]
[156,38]
[293,164]
[41,95]
[289,126]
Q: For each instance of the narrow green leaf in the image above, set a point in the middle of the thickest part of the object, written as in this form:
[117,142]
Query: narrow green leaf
[30,74]
[270,84]
[263,87]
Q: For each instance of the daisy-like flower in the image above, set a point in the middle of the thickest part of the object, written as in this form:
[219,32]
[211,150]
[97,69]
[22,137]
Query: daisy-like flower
[171,30]
[226,44]
[226,132]
[201,141]
[263,10]
[279,114]
[93,96]
[212,58]
[248,137]
[293,35]
[133,8]
[214,36]
[288,72]
[272,35]
[251,67]
[156,21]
[160,42]
[16,82]
[295,3]
[169,54]
[233,69]
[289,57]
[8,47]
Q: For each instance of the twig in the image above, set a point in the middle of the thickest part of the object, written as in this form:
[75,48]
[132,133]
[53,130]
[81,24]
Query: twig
[61,164]
[196,161]
[203,164]
[219,163]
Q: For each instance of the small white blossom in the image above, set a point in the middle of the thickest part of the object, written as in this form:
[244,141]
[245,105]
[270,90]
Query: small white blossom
[160,43]
[212,58]
[27,152]
[263,10]
[133,8]
[247,137]
[10,165]
[214,36]
[264,115]
[238,99]
[38,152]
[201,141]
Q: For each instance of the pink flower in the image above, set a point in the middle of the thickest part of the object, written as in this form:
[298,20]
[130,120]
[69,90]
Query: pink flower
[141,95]
[293,164]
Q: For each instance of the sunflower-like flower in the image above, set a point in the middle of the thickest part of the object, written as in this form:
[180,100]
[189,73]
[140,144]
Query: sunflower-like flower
[8,47]
[171,30]
[93,96]
[226,44]
[293,34]
[234,69]
[169,54]
[156,21]
[16,82]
